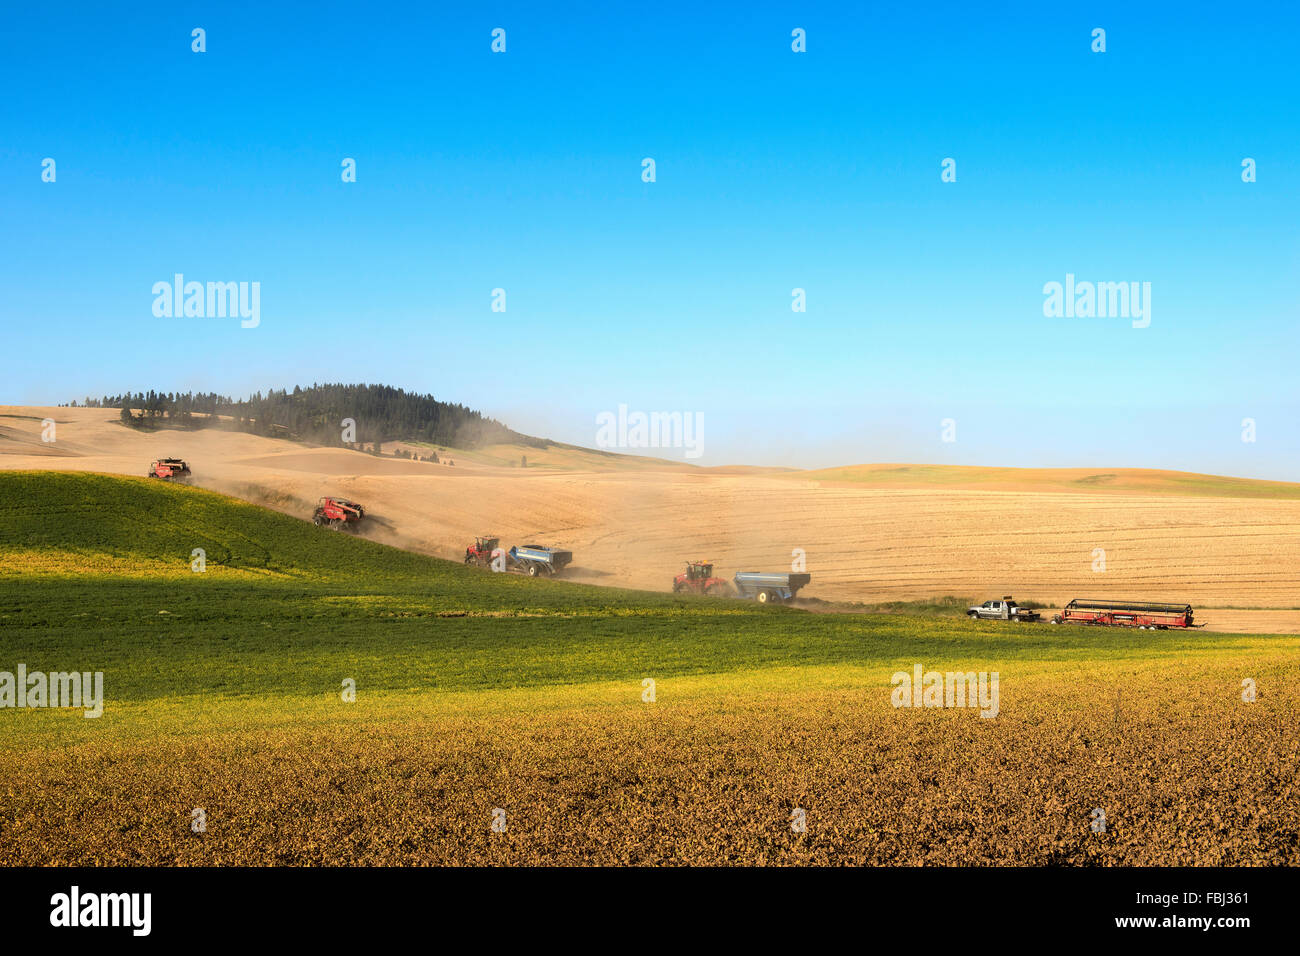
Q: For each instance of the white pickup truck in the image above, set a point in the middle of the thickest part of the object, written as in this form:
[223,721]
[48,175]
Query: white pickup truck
[1004,610]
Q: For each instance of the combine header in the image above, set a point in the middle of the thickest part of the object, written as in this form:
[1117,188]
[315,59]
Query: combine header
[1147,617]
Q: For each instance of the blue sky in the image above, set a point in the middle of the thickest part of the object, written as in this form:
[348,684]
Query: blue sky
[775,170]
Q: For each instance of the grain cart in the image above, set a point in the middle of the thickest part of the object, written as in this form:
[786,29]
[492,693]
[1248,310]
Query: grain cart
[536,560]
[480,552]
[337,513]
[765,586]
[1004,610]
[698,577]
[1144,616]
[169,469]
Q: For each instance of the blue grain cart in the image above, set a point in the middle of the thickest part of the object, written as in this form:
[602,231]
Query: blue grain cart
[764,586]
[535,560]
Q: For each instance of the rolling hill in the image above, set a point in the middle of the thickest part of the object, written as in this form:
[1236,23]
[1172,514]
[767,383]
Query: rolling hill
[869,534]
[1089,481]
[597,725]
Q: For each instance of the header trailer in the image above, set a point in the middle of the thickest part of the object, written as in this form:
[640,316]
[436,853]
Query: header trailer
[1144,615]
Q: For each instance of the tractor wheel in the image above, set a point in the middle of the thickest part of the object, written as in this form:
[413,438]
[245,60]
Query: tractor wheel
[317,520]
[678,587]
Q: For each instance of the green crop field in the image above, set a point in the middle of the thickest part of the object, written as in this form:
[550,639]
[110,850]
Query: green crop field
[483,698]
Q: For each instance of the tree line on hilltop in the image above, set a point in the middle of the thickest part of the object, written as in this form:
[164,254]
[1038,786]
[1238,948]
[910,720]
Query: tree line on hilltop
[319,414]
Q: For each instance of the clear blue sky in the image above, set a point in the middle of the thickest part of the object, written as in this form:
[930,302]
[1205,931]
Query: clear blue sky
[775,170]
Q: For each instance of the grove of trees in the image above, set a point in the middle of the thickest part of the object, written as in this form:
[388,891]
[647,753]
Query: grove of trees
[317,413]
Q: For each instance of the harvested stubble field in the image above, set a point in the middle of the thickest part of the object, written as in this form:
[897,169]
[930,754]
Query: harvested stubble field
[479,691]
[1230,546]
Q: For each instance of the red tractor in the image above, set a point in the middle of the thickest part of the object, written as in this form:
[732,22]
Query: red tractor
[337,513]
[698,578]
[169,469]
[480,552]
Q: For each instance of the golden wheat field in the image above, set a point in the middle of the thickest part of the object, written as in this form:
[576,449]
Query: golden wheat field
[870,534]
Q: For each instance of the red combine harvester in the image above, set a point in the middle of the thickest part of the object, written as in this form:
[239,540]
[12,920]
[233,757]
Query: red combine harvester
[698,577]
[1147,617]
[169,469]
[480,552]
[337,513]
